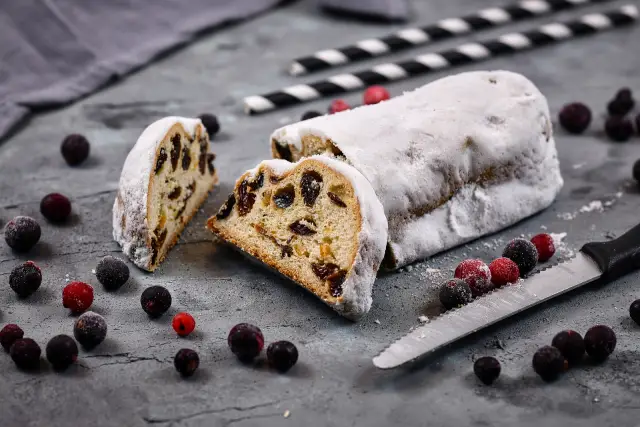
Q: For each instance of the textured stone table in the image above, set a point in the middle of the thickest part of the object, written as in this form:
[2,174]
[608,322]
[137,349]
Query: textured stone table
[129,380]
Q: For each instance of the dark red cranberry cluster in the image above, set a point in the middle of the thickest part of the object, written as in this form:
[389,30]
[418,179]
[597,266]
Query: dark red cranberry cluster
[372,95]
[61,350]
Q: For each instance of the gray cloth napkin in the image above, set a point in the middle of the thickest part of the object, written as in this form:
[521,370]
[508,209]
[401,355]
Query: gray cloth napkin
[55,51]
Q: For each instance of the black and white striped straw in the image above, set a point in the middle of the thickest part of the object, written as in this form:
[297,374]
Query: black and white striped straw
[445,29]
[461,55]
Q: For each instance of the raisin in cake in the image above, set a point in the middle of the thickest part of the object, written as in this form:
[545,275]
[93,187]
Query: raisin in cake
[456,159]
[318,222]
[165,178]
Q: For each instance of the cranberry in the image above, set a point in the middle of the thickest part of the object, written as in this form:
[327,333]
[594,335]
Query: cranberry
[375,94]
[55,207]
[211,124]
[77,297]
[282,355]
[25,279]
[544,245]
[570,344]
[575,117]
[25,353]
[455,293]
[600,341]
[477,275]
[618,128]
[75,149]
[186,361]
[90,329]
[487,369]
[523,253]
[246,341]
[10,334]
[61,351]
[338,105]
[183,324]
[548,362]
[504,271]
[22,233]
[634,311]
[155,301]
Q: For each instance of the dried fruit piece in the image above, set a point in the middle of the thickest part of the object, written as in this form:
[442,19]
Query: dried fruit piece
[324,271]
[227,207]
[283,198]
[257,183]
[335,282]
[162,157]
[284,152]
[310,185]
[202,162]
[175,150]
[336,200]
[300,227]
[210,158]
[246,199]
[186,158]
[175,193]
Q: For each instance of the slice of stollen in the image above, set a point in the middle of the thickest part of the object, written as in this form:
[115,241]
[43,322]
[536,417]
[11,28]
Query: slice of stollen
[459,158]
[166,177]
[318,222]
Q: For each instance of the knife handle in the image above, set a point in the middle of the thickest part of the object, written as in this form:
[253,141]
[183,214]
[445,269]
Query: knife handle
[617,257]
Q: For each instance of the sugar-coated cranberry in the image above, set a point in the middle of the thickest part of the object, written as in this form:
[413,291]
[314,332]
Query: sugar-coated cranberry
[75,149]
[634,311]
[186,362]
[618,128]
[570,344]
[25,353]
[55,207]
[25,279]
[183,324]
[282,355]
[487,369]
[503,271]
[22,233]
[338,105]
[599,342]
[575,117]
[245,341]
[477,275]
[155,301]
[112,272]
[9,334]
[622,103]
[523,253]
[310,115]
[77,297]
[211,124]
[375,94]
[62,352]
[544,245]
[455,293]
[548,362]
[90,329]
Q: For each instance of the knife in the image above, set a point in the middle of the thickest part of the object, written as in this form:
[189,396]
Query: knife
[606,261]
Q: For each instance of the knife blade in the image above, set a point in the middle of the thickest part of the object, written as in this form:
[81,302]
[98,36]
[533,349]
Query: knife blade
[597,260]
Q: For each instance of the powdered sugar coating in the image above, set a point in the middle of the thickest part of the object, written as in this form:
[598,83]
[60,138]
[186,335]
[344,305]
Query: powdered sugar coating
[131,201]
[448,160]
[477,275]
[372,237]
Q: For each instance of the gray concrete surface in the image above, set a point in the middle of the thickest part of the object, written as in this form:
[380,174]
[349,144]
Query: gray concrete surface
[129,380]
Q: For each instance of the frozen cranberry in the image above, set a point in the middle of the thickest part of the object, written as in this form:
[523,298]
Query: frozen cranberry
[575,117]
[618,128]
[183,324]
[504,271]
[10,334]
[477,275]
[338,105]
[77,297]
[75,149]
[455,293]
[55,207]
[544,246]
[246,341]
[22,233]
[375,94]
[523,253]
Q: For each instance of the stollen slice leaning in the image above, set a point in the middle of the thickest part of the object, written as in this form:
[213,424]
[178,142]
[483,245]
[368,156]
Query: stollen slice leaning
[317,222]
[459,158]
[166,177]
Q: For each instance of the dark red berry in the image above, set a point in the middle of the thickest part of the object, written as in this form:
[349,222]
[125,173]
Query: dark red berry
[548,362]
[454,293]
[55,207]
[155,301]
[22,233]
[477,275]
[544,245]
[25,279]
[112,272]
[634,311]
[504,271]
[618,128]
[575,117]
[10,334]
[570,344]
[622,103]
[375,94]
[599,341]
[638,124]
[77,297]
[487,369]
[183,324]
[75,149]
[186,362]
[523,253]
[210,122]
[62,352]
[282,355]
[310,115]
[636,171]
[245,341]
[338,105]
[90,329]
[25,353]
